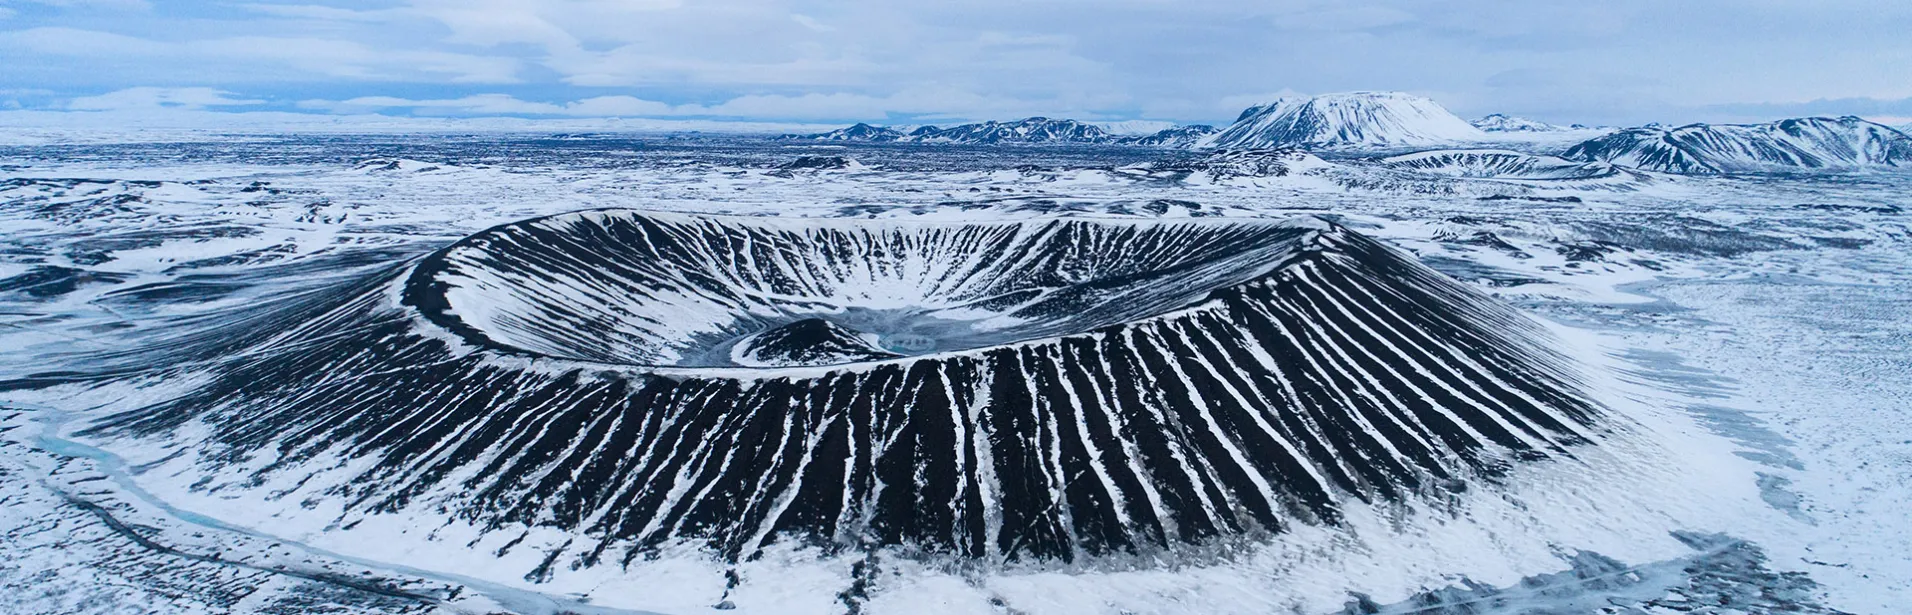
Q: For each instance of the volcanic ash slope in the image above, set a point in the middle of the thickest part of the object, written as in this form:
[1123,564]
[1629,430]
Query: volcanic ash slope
[664,400]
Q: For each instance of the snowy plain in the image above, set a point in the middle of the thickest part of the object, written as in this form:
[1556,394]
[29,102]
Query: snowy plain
[1754,326]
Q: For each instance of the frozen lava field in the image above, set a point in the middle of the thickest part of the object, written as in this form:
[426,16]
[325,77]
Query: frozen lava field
[696,374]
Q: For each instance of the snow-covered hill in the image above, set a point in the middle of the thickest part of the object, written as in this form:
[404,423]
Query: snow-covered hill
[1027,130]
[1126,128]
[1355,119]
[1702,149]
[859,132]
[1499,164]
[1179,136]
[1498,122]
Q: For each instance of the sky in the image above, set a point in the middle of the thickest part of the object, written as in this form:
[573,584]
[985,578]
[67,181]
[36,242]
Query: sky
[770,62]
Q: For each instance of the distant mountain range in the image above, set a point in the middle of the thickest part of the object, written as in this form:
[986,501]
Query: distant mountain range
[1396,121]
[1702,149]
[1034,130]
[1354,119]
[1027,130]
[1348,120]
[859,132]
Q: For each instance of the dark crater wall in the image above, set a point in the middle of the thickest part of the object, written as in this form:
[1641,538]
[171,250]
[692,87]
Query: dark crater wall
[1248,377]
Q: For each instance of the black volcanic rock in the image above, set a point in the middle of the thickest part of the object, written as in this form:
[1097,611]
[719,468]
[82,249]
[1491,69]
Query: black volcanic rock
[47,282]
[1703,149]
[803,164]
[1098,387]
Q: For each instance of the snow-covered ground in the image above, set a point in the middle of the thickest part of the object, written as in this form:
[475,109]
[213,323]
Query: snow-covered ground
[1754,327]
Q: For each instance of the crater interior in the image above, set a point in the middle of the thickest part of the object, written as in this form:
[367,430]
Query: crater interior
[650,289]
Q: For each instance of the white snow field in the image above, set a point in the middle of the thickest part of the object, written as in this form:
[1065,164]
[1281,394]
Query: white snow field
[1741,339]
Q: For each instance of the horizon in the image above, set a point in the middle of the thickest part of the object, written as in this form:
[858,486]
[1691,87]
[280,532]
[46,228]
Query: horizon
[762,67]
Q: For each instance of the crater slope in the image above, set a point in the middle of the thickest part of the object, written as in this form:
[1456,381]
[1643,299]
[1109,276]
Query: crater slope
[1036,390]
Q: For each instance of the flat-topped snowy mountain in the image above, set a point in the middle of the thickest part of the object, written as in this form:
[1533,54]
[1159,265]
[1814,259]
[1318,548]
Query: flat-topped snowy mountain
[1498,122]
[1355,119]
[1701,149]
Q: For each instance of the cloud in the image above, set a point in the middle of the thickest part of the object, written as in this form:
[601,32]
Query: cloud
[320,57]
[323,13]
[921,104]
[811,23]
[758,45]
[98,4]
[1622,61]
[1344,17]
[500,104]
[133,125]
[357,61]
[1884,111]
[562,24]
[1244,101]
[71,42]
[159,98]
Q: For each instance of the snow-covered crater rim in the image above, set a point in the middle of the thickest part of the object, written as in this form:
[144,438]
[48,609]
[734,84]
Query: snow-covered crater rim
[678,293]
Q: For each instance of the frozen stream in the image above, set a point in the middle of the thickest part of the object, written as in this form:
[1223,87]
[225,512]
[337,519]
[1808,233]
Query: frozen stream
[514,600]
